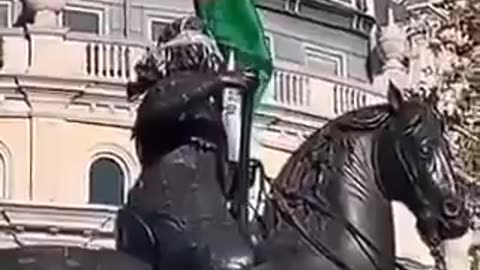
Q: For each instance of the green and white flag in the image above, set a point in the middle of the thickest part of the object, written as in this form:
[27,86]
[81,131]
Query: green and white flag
[238,31]
[236,26]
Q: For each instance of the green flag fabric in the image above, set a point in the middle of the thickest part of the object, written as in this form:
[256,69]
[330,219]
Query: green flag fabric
[236,26]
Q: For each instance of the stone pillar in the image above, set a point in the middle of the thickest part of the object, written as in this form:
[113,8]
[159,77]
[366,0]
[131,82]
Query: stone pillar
[49,53]
[393,43]
[47,12]
[418,47]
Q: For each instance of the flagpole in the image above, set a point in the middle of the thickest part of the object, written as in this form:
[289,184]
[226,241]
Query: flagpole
[238,120]
[244,183]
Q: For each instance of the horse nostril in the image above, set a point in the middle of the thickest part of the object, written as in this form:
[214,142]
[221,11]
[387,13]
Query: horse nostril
[451,208]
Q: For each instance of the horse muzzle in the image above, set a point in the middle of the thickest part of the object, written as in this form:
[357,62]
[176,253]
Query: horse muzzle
[449,223]
[455,219]
[452,208]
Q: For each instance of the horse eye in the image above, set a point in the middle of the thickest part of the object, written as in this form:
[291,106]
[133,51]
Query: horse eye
[425,150]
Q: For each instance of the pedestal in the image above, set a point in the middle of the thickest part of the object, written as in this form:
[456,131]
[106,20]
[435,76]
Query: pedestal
[46,19]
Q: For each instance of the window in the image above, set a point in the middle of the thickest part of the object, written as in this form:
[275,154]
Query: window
[5,13]
[361,5]
[107,182]
[346,2]
[269,93]
[292,6]
[82,20]
[269,41]
[5,169]
[322,60]
[156,28]
[3,177]
[320,63]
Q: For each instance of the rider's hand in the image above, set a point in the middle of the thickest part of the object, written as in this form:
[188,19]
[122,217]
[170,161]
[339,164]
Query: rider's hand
[243,79]
[251,77]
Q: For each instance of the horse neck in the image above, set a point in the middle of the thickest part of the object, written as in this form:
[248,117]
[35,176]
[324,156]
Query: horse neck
[355,194]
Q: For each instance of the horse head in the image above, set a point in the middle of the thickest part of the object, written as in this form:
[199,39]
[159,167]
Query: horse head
[422,177]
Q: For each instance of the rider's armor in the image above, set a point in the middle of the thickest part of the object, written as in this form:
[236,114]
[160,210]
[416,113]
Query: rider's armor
[176,216]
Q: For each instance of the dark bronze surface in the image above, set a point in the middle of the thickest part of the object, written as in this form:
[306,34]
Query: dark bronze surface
[179,203]
[332,198]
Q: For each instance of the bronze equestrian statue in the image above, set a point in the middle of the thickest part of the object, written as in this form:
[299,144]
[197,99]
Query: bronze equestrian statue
[330,208]
[330,205]
[331,201]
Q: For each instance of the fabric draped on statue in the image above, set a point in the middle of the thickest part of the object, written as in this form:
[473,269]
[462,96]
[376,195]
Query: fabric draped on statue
[236,26]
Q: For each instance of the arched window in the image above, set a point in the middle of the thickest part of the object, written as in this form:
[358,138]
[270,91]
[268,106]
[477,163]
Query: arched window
[107,182]
[3,177]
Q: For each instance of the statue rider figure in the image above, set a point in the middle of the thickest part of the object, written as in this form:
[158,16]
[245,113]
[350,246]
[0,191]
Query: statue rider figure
[176,216]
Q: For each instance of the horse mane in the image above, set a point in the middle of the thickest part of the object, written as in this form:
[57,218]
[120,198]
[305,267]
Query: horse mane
[318,151]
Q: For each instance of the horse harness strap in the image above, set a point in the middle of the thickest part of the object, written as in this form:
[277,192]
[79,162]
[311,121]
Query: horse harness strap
[319,248]
[289,216]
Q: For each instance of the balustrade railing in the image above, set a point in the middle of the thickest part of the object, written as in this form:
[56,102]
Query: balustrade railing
[113,61]
[75,56]
[347,98]
[318,94]
[291,88]
[110,59]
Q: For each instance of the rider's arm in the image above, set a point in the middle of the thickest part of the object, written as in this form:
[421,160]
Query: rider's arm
[169,99]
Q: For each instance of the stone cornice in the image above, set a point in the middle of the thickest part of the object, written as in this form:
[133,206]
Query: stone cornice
[44,223]
[283,130]
[428,8]
[282,115]
[71,99]
[279,141]
[323,6]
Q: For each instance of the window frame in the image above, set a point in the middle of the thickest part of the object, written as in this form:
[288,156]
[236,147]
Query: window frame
[123,168]
[99,11]
[271,43]
[337,56]
[351,3]
[161,18]
[9,5]
[292,6]
[270,88]
[6,180]
[153,19]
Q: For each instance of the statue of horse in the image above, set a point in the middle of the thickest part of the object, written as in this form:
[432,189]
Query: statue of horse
[331,202]
[176,216]
[330,205]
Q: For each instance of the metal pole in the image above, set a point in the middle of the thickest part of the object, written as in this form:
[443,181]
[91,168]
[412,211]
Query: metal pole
[237,120]
[244,158]
[232,115]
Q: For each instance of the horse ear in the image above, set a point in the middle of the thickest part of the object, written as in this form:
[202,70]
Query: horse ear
[394,96]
